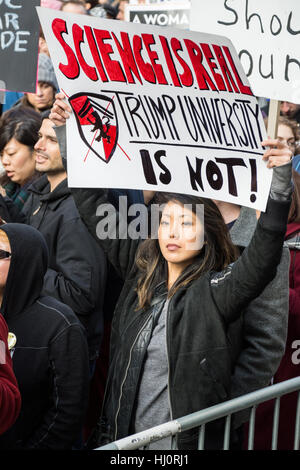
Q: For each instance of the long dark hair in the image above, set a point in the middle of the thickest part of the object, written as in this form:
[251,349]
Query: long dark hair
[22,124]
[217,253]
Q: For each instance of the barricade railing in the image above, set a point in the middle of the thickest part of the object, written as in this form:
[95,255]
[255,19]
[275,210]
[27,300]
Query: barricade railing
[142,440]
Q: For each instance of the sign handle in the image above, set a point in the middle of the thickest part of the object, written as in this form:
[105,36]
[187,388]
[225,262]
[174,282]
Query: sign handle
[273,116]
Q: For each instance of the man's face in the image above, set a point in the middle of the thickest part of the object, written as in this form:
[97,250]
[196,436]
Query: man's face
[47,152]
[289,109]
[43,98]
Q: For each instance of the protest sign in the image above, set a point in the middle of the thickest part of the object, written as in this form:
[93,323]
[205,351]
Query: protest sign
[19,33]
[266,36]
[157,108]
[168,14]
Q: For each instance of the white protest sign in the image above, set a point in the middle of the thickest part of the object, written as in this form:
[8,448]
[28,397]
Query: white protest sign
[169,14]
[157,108]
[266,35]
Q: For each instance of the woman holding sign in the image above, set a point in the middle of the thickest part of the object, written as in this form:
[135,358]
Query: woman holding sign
[170,354]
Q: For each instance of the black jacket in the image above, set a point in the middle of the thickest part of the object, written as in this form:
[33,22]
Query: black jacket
[50,358]
[9,212]
[201,355]
[77,265]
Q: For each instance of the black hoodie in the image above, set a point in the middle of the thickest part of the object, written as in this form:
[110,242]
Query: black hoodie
[50,357]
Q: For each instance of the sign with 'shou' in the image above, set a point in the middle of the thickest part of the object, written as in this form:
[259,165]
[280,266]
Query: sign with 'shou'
[266,35]
[157,108]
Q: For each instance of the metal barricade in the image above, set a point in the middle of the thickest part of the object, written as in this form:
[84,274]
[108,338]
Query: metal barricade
[199,419]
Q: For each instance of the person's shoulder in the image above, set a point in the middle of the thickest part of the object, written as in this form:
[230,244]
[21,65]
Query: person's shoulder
[70,217]
[39,185]
[65,205]
[58,310]
[46,321]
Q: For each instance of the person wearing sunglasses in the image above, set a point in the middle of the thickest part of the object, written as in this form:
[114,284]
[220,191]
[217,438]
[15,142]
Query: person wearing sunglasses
[49,354]
[5,254]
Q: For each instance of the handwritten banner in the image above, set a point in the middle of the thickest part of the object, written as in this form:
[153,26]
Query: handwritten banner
[19,32]
[266,35]
[157,108]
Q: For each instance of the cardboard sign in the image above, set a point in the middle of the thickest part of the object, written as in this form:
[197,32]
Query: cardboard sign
[177,15]
[157,108]
[19,33]
[266,35]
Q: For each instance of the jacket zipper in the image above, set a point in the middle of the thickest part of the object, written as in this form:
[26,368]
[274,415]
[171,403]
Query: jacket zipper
[125,375]
[167,347]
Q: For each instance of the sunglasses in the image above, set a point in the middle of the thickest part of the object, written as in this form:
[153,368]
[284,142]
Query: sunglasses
[4,254]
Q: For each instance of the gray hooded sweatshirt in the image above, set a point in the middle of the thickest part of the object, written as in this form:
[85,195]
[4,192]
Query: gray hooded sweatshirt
[264,323]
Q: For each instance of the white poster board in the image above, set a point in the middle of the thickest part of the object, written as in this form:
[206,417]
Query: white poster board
[149,114]
[266,35]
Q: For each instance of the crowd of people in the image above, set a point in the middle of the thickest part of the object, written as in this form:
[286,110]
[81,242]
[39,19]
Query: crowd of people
[104,337]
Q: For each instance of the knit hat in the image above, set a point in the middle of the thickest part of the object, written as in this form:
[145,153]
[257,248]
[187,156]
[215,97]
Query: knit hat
[97,11]
[110,10]
[46,71]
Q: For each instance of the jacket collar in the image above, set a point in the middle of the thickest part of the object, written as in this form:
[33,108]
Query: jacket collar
[160,293]
[41,188]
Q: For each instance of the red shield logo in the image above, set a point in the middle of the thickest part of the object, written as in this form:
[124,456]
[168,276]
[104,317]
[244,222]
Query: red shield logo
[97,123]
